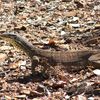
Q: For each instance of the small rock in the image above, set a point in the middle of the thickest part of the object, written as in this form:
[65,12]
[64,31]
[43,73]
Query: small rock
[62,33]
[97,72]
[91,98]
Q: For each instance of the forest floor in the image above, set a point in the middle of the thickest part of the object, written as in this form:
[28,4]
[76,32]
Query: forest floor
[51,25]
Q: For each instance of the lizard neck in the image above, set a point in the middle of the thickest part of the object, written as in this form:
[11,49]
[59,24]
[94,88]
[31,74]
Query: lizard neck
[30,49]
[23,45]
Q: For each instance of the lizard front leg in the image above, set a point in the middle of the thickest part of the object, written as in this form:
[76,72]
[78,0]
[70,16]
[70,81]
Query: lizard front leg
[34,63]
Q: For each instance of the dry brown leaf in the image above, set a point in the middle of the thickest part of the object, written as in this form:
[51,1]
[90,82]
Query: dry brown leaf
[13,65]
[5,85]
[71,13]
[19,63]
[3,57]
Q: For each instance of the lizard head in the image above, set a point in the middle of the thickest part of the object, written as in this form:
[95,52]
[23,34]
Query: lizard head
[8,36]
[17,41]
[14,39]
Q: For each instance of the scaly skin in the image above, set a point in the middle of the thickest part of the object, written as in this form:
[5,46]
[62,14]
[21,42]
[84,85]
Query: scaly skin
[57,56]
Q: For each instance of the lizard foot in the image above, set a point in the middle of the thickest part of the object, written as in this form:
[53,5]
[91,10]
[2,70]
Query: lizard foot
[40,75]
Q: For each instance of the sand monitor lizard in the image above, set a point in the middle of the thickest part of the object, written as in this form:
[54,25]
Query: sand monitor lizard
[69,56]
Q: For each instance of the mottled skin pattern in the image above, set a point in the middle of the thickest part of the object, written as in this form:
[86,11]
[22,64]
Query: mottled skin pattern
[69,56]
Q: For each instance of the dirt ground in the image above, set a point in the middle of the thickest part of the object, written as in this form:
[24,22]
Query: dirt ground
[58,25]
